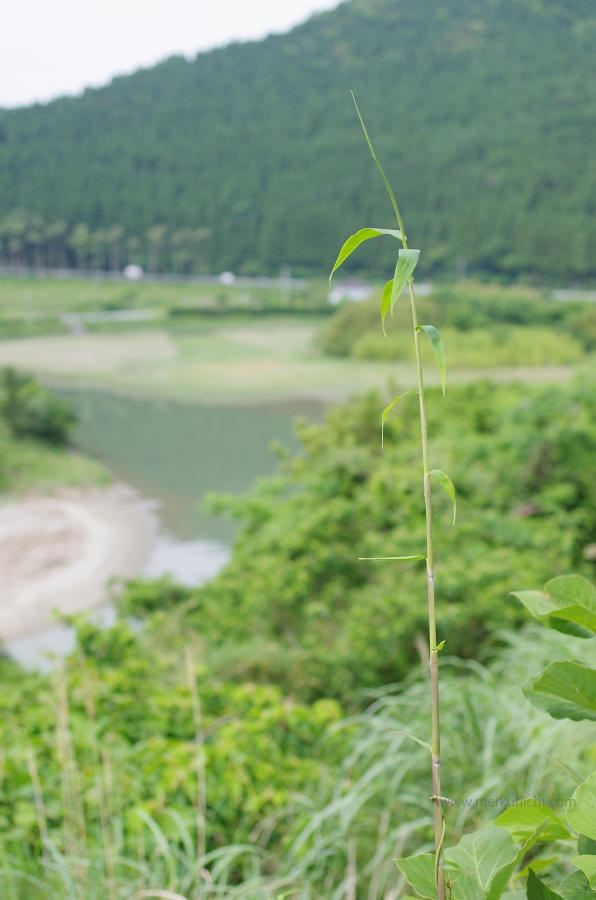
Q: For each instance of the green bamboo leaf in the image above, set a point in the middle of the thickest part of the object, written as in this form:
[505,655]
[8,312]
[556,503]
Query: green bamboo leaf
[377,163]
[386,303]
[406,263]
[365,234]
[522,818]
[447,484]
[588,866]
[576,887]
[565,690]
[537,890]
[483,854]
[420,874]
[581,816]
[405,558]
[437,343]
[387,410]
[567,604]
[413,738]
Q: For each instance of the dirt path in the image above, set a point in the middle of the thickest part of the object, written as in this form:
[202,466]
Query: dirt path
[59,552]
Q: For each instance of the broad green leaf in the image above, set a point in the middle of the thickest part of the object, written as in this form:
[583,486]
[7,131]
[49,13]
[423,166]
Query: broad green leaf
[387,410]
[567,604]
[464,886]
[581,815]
[565,690]
[406,263]
[420,874]
[386,303]
[515,895]
[588,866]
[537,890]
[503,876]
[446,483]
[381,558]
[522,819]
[533,600]
[439,351]
[354,241]
[585,846]
[483,854]
[576,887]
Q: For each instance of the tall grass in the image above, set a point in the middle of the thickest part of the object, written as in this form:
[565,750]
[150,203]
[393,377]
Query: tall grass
[342,835]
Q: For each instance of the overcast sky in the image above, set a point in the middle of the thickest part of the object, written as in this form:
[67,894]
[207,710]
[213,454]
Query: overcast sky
[53,47]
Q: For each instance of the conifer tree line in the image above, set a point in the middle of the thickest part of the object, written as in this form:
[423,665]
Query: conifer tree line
[27,242]
[483,110]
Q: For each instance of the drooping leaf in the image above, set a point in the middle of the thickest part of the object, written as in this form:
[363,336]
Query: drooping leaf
[439,351]
[387,410]
[581,815]
[521,819]
[446,483]
[483,854]
[406,263]
[420,874]
[567,604]
[386,303]
[537,890]
[576,887]
[381,558]
[354,241]
[565,690]
[588,866]
[533,600]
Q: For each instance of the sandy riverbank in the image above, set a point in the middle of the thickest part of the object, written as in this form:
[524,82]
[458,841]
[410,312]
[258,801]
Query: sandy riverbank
[59,552]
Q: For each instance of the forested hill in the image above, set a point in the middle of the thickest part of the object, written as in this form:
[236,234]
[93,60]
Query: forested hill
[482,111]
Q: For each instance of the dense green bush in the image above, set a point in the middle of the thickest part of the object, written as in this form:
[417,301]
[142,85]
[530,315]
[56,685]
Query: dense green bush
[31,410]
[295,605]
[508,328]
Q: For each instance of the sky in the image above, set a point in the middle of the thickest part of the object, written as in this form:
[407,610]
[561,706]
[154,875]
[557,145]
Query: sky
[48,49]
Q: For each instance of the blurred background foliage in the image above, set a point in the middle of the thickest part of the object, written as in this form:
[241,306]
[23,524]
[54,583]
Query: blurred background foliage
[250,157]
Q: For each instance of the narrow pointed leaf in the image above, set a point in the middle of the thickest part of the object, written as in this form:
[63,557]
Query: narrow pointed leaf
[582,815]
[446,483]
[439,351]
[405,558]
[374,156]
[387,410]
[413,738]
[483,854]
[386,303]
[406,263]
[355,240]
[420,874]
[537,890]
[565,690]
[588,866]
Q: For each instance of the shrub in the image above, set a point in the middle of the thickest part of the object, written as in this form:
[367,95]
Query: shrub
[31,410]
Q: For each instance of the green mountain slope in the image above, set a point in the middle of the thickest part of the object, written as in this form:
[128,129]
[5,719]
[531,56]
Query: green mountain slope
[483,112]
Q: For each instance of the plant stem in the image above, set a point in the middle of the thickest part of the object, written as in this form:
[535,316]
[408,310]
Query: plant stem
[432,624]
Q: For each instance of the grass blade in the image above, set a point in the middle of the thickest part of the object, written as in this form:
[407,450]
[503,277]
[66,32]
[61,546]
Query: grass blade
[437,343]
[447,484]
[386,303]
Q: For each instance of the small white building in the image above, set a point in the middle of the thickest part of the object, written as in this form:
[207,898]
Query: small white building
[353,289]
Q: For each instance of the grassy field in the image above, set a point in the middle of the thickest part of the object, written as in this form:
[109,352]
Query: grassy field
[209,357]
